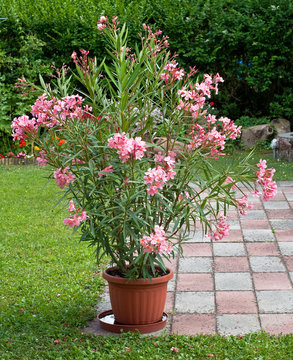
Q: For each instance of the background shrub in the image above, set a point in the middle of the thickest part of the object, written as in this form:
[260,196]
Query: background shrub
[249,42]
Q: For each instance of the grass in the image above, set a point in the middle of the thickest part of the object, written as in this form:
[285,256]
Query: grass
[50,284]
[284,169]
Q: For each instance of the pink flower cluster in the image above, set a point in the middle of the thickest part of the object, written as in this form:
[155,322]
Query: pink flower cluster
[156,242]
[265,180]
[63,177]
[127,148]
[22,126]
[157,177]
[49,113]
[102,23]
[194,98]
[41,159]
[243,205]
[173,72]
[75,219]
[222,229]
[214,135]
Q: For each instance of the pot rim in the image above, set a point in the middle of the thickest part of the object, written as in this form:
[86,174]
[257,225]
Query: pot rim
[120,280]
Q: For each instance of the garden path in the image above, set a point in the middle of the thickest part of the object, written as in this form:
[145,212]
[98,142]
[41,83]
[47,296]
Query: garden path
[241,284]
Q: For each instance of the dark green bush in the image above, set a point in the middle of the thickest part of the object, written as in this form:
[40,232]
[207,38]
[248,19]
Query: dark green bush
[249,42]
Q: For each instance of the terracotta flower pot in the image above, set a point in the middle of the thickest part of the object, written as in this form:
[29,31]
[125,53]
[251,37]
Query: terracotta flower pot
[137,302]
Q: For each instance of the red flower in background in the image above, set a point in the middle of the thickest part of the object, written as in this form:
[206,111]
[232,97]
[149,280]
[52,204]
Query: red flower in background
[22,143]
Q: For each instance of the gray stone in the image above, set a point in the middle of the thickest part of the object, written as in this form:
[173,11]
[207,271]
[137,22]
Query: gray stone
[284,183]
[254,215]
[276,205]
[252,135]
[279,224]
[234,224]
[233,281]
[289,196]
[195,265]
[277,301]
[229,249]
[286,248]
[105,303]
[266,264]
[282,125]
[195,302]
[258,235]
[239,324]
[171,285]
[197,236]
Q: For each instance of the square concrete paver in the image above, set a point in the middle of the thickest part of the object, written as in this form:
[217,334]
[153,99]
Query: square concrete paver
[233,281]
[275,301]
[231,264]
[197,236]
[194,324]
[234,225]
[276,205]
[266,264]
[234,236]
[271,281]
[233,302]
[254,214]
[284,235]
[289,262]
[229,249]
[280,214]
[239,324]
[262,249]
[289,196]
[286,248]
[276,324]
[195,265]
[195,282]
[255,224]
[258,235]
[291,276]
[195,302]
[279,224]
[197,249]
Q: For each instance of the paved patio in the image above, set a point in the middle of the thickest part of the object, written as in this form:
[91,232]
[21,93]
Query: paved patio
[241,284]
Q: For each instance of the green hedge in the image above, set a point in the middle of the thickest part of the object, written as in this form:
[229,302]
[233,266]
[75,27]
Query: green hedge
[249,42]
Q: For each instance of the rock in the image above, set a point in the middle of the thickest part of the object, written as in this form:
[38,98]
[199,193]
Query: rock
[252,135]
[284,144]
[282,125]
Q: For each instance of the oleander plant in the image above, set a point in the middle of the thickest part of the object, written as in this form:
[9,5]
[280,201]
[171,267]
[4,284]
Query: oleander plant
[133,148]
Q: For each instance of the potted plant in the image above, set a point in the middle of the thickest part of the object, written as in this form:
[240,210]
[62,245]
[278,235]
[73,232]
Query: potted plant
[135,150]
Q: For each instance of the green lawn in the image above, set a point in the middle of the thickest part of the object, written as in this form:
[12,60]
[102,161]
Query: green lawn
[284,169]
[50,284]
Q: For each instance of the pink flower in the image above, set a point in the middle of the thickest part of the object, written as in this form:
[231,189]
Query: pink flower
[127,348]
[222,229]
[57,341]
[71,207]
[156,242]
[75,219]
[127,148]
[72,221]
[63,177]
[175,349]
[243,205]
[265,180]
[108,170]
